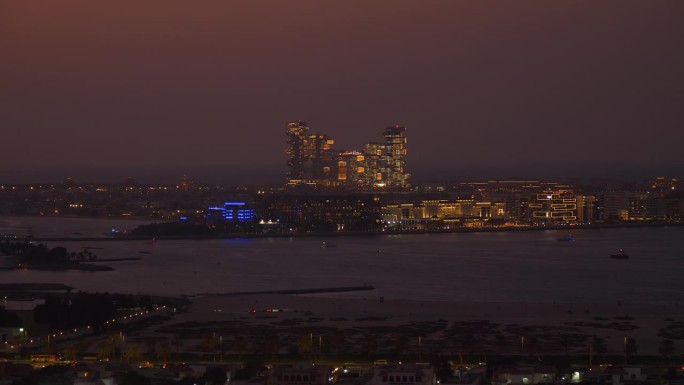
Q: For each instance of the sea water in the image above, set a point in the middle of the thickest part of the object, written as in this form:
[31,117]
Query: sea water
[530,266]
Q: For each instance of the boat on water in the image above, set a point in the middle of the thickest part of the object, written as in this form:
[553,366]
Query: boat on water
[620,255]
[327,244]
[567,238]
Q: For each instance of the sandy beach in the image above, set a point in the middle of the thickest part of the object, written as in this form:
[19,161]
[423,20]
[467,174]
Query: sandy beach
[375,327]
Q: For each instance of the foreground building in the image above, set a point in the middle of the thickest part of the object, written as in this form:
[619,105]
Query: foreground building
[404,374]
[302,374]
[525,375]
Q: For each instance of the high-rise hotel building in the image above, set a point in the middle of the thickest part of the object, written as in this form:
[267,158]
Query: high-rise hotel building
[394,162]
[296,137]
[309,155]
[311,161]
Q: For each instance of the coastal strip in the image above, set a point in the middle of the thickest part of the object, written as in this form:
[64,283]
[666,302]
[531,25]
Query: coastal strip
[360,233]
[4,287]
[70,266]
[115,259]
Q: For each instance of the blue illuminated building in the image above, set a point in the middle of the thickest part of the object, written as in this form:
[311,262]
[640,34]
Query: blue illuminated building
[231,212]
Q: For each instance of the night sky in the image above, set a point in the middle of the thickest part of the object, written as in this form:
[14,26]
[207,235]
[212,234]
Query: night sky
[485,89]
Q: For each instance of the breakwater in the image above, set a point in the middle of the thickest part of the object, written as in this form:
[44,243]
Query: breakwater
[294,291]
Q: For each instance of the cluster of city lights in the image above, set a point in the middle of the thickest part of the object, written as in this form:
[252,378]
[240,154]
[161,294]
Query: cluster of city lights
[53,336]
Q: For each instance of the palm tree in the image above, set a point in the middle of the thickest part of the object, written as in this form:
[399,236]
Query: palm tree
[132,353]
[207,344]
[666,348]
[401,345]
[305,344]
[177,343]
[239,345]
[532,344]
[338,340]
[271,344]
[597,346]
[81,346]
[369,345]
[164,351]
[70,352]
[500,342]
[566,340]
[468,342]
[630,348]
[151,346]
[104,350]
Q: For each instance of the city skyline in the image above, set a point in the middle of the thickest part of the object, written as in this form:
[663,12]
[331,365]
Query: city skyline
[313,161]
[520,90]
[388,192]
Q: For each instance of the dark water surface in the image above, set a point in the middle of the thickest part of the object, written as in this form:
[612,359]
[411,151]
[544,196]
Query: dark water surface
[506,266]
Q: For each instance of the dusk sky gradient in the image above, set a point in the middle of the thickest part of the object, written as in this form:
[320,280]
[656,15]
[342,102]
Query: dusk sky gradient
[511,84]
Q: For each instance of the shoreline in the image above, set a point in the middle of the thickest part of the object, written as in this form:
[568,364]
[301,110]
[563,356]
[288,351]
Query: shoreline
[567,228]
[66,267]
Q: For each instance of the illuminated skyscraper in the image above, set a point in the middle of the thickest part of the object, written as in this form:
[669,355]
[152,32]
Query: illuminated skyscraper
[395,151]
[321,157]
[374,170]
[309,155]
[351,169]
[312,161]
[554,206]
[296,138]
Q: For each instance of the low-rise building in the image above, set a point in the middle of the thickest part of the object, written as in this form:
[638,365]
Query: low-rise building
[303,374]
[524,375]
[403,374]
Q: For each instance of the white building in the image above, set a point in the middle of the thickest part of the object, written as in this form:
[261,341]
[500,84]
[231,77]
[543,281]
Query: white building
[525,375]
[403,374]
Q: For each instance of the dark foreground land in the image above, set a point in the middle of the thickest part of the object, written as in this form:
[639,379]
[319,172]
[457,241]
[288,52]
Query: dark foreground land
[323,327]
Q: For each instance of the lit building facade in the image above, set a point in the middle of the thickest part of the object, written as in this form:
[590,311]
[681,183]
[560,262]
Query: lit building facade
[394,161]
[553,207]
[624,206]
[586,208]
[404,374]
[303,213]
[312,161]
[374,157]
[235,212]
[674,207]
[300,375]
[443,214]
[296,138]
[351,169]
[645,207]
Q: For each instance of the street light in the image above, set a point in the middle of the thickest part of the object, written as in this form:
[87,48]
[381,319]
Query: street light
[420,345]
[22,340]
[522,343]
[625,350]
